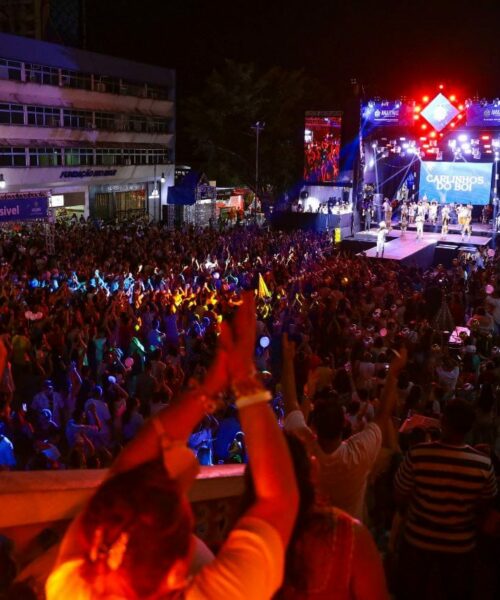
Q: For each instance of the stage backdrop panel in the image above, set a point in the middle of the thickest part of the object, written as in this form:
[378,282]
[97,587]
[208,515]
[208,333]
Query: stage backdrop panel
[456,182]
[322,146]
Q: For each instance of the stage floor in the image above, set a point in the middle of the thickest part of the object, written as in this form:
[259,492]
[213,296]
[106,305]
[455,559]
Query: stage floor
[403,247]
[478,228]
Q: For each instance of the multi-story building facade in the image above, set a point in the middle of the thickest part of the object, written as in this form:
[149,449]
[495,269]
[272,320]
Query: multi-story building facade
[95,130]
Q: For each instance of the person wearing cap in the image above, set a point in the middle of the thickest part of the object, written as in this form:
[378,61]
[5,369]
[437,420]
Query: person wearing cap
[381,233]
[48,398]
[98,414]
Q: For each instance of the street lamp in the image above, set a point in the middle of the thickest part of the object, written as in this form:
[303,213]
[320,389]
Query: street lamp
[258,127]
[155,194]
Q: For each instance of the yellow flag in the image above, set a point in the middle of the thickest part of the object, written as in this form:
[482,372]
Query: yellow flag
[263,289]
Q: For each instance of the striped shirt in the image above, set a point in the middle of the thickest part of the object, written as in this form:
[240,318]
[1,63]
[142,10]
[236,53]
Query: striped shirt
[445,485]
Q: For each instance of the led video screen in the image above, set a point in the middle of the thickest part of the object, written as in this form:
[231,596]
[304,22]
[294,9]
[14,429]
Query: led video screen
[456,182]
[322,147]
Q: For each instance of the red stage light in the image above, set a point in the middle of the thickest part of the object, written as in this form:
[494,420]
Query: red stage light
[460,116]
[452,124]
[425,99]
[432,134]
[453,98]
[416,117]
[416,109]
[423,126]
[425,145]
[485,137]
[460,107]
[423,138]
[441,134]
[441,86]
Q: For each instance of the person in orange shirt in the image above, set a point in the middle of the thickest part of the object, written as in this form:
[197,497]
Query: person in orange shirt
[134,539]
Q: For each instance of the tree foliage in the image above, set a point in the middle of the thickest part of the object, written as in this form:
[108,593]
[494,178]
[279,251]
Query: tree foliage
[219,122]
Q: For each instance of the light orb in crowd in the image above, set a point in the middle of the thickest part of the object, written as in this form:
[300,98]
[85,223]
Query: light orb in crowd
[129,362]
[264,342]
[489,289]
[383,332]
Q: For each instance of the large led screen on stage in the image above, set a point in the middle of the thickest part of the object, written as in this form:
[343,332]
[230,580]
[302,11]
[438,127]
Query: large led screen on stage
[322,147]
[456,182]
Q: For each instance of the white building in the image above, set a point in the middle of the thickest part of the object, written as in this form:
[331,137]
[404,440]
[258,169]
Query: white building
[88,127]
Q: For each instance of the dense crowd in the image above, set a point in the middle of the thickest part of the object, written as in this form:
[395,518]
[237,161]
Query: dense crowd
[363,361]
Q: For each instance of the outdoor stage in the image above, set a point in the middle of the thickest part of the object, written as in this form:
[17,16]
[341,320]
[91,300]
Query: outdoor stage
[433,248]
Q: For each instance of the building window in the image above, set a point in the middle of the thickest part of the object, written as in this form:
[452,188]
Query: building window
[10,69]
[74,79]
[41,74]
[45,157]
[109,121]
[43,116]
[127,88]
[107,85]
[12,157]
[108,156]
[11,114]
[74,157]
[157,92]
[77,119]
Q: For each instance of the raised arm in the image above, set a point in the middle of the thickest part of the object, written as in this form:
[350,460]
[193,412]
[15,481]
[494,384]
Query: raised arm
[389,395]
[288,376]
[271,467]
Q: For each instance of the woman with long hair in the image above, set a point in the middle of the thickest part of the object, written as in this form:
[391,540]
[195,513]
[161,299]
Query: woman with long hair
[134,539]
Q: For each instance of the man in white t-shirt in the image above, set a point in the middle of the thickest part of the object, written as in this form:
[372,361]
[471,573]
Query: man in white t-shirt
[344,466]
[100,417]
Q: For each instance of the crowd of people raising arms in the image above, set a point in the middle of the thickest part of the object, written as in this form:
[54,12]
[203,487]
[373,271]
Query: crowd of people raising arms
[133,337]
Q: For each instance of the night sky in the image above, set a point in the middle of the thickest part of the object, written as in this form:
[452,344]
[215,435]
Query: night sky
[392,47]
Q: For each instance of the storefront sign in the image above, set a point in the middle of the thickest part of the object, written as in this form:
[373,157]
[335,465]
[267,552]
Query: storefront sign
[88,173]
[126,187]
[23,208]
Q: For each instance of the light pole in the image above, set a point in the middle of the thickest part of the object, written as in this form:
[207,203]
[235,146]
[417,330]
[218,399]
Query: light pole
[258,127]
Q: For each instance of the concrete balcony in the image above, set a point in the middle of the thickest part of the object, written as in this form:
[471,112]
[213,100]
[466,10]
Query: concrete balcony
[26,135]
[38,506]
[48,95]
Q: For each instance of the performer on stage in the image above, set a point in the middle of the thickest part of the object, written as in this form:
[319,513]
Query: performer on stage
[412,211]
[462,213]
[433,212]
[419,220]
[381,233]
[387,207]
[467,222]
[368,214]
[403,225]
[445,219]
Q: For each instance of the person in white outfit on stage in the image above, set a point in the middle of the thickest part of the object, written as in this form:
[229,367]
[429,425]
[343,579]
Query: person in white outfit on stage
[381,233]
[445,219]
[419,221]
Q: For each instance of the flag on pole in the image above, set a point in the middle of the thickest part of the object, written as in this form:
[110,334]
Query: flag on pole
[263,289]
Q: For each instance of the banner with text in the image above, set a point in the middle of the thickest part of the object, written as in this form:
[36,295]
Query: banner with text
[483,115]
[387,113]
[23,208]
[456,182]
